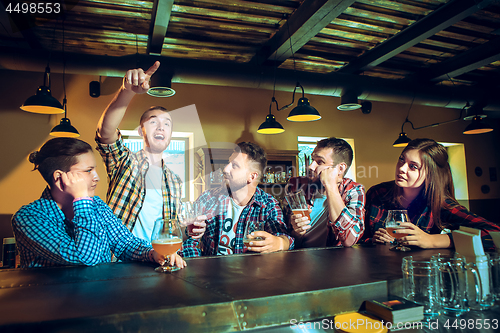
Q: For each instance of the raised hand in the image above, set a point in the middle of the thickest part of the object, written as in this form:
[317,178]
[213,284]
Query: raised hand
[137,80]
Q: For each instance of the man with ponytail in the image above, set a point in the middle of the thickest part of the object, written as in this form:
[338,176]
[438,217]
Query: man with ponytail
[69,224]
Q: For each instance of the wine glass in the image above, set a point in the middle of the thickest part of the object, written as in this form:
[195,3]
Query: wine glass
[394,219]
[166,240]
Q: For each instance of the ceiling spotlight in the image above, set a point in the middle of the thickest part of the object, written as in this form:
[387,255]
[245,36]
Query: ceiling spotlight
[348,102]
[161,85]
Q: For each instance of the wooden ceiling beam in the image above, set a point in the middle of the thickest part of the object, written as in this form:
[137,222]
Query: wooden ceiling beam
[304,23]
[462,63]
[160,16]
[23,23]
[440,19]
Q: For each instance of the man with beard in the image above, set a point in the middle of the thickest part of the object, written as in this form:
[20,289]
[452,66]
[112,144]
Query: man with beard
[235,204]
[336,203]
[141,187]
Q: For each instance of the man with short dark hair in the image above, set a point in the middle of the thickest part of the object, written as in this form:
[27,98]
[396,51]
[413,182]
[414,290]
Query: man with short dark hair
[336,203]
[141,187]
[235,204]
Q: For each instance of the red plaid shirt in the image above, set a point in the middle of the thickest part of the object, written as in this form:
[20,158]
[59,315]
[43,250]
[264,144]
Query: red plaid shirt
[348,228]
[379,202]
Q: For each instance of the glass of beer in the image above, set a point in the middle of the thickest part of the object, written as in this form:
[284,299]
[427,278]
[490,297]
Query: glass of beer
[394,219]
[187,215]
[166,240]
[298,204]
[249,228]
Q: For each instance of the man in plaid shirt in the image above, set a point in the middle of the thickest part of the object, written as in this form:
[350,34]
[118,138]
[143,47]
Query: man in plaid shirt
[141,187]
[336,203]
[239,202]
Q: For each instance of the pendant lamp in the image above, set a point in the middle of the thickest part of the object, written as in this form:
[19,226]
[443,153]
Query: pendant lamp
[403,139]
[303,111]
[477,126]
[271,125]
[43,102]
[65,129]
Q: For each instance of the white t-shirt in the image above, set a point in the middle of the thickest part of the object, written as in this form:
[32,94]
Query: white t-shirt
[228,233]
[152,208]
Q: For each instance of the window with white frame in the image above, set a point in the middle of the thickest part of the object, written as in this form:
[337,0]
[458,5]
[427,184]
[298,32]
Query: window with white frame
[176,156]
[306,145]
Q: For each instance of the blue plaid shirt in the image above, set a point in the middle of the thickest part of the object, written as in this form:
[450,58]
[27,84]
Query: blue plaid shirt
[45,238]
[262,207]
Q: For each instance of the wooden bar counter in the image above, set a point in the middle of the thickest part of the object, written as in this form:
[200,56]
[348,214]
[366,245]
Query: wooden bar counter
[216,294]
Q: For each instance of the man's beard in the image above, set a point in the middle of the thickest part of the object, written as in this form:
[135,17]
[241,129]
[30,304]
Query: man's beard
[233,187]
[313,180]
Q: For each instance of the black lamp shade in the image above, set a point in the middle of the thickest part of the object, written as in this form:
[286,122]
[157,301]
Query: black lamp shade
[161,86]
[402,141]
[477,127]
[303,112]
[43,102]
[65,129]
[270,126]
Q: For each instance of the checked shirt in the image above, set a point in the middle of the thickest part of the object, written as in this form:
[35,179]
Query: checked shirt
[215,203]
[45,238]
[126,182]
[379,202]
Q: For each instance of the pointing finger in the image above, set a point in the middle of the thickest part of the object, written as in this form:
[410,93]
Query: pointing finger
[153,68]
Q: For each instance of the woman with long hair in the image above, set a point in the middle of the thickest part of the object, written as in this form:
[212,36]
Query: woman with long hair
[69,224]
[423,186]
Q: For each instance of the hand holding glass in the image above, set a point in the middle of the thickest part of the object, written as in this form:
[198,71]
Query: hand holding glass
[394,219]
[188,213]
[252,226]
[166,240]
[298,204]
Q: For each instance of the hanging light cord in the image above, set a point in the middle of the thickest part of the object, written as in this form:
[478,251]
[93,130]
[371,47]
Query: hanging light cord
[467,105]
[294,70]
[436,124]
[273,99]
[64,72]
[46,78]
[291,49]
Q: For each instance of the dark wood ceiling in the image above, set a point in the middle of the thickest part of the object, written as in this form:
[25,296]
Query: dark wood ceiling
[433,42]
